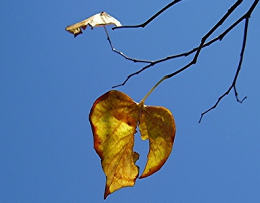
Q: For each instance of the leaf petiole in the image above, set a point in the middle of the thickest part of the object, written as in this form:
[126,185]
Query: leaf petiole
[145,97]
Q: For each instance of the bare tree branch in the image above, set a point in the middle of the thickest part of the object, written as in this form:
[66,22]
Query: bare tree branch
[198,49]
[121,53]
[219,23]
[150,19]
[233,85]
[185,54]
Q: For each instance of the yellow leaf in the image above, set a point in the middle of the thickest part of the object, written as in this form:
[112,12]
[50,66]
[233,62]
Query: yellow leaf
[114,118]
[157,125]
[100,19]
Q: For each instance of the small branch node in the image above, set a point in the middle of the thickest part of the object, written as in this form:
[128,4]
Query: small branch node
[241,101]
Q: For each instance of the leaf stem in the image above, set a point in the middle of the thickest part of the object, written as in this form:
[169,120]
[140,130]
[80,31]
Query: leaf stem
[145,97]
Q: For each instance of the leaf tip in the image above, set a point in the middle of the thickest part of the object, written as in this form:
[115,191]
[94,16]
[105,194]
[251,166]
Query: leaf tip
[107,192]
[150,171]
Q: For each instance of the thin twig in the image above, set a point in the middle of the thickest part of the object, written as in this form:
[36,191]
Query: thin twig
[121,53]
[202,45]
[197,49]
[150,19]
[233,85]
[185,54]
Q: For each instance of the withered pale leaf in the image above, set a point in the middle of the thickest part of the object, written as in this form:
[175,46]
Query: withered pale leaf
[157,125]
[114,118]
[100,19]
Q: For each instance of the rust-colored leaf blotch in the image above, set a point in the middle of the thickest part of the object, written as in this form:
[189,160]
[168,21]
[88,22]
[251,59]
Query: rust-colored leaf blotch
[157,125]
[114,118]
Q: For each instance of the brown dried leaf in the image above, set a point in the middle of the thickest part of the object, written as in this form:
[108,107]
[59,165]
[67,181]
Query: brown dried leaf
[100,19]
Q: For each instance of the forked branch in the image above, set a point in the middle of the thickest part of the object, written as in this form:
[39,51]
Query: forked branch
[233,85]
[121,53]
[185,54]
[203,44]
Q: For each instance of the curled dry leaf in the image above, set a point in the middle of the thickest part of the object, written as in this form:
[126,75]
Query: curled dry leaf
[114,118]
[100,19]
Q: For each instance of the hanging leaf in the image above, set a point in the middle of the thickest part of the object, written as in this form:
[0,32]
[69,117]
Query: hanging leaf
[114,118]
[100,19]
[157,125]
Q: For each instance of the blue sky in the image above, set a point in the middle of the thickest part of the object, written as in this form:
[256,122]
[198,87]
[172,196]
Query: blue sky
[49,81]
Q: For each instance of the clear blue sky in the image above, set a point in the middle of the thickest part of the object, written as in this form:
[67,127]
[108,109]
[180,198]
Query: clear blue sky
[49,80]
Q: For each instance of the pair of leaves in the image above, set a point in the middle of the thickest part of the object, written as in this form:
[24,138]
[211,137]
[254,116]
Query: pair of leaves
[114,118]
[100,19]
